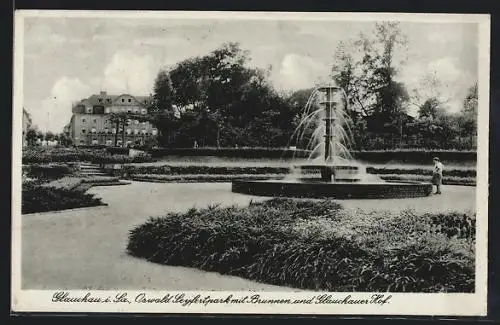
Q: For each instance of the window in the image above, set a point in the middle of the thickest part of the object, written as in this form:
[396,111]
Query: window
[143,131]
[108,100]
[136,131]
[123,100]
[93,130]
[113,130]
[84,131]
[83,121]
[129,131]
[129,111]
[154,131]
[100,100]
[144,111]
[136,122]
[129,100]
[143,123]
[106,130]
[109,142]
[94,121]
[82,141]
[119,143]
[95,141]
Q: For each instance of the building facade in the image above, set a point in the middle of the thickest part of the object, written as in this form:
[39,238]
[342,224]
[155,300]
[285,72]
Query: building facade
[91,122]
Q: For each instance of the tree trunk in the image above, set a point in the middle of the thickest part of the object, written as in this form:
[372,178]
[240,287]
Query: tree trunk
[116,133]
[218,136]
[123,133]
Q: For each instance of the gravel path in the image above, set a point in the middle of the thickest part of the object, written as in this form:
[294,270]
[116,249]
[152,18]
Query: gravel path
[84,248]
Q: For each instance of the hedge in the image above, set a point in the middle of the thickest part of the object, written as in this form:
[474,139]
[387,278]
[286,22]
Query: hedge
[447,180]
[39,198]
[421,171]
[48,172]
[316,246]
[374,156]
[199,178]
[231,152]
[233,170]
[98,156]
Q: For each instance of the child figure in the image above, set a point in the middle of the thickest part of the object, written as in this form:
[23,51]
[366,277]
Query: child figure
[437,175]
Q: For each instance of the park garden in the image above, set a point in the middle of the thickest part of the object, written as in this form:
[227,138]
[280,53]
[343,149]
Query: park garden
[220,120]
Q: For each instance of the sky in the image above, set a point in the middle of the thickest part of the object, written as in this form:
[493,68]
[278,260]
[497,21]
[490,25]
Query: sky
[67,59]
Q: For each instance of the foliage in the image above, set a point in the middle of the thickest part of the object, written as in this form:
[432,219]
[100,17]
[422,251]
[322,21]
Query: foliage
[421,171]
[316,245]
[39,198]
[57,154]
[48,172]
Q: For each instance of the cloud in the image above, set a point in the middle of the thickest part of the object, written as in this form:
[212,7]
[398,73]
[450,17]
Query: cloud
[129,73]
[54,112]
[297,72]
[451,82]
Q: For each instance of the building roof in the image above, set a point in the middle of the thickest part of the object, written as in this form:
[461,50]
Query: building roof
[108,99]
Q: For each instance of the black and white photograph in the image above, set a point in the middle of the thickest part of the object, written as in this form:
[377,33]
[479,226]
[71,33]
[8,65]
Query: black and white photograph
[250,162]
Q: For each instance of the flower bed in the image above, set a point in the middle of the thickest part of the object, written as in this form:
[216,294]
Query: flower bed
[317,245]
[40,198]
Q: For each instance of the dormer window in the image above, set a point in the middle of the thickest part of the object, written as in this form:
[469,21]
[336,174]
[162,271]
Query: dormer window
[100,100]
[129,100]
[108,100]
[123,100]
[83,120]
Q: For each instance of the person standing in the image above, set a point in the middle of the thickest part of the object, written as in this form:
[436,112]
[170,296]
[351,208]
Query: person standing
[437,175]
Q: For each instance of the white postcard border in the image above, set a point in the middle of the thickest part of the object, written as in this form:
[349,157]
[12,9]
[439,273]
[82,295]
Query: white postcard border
[399,304]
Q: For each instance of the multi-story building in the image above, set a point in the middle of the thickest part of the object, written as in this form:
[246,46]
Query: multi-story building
[26,125]
[91,122]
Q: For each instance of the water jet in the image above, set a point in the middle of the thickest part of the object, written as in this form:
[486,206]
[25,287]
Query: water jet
[331,170]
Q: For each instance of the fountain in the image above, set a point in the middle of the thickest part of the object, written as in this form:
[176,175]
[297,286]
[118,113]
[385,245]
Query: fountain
[340,176]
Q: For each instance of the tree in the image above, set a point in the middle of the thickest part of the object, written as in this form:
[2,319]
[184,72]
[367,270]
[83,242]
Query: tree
[468,118]
[163,93]
[430,108]
[31,136]
[386,97]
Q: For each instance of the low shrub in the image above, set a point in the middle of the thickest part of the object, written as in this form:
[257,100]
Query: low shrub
[422,156]
[315,245]
[204,170]
[447,180]
[201,178]
[37,198]
[41,155]
[422,171]
[47,172]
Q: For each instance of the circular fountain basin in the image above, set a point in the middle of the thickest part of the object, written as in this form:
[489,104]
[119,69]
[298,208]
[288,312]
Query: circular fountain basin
[337,190]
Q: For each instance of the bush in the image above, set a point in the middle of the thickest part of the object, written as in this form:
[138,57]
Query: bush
[47,172]
[94,155]
[37,198]
[200,177]
[202,170]
[316,245]
[447,180]
[422,171]
[413,156]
